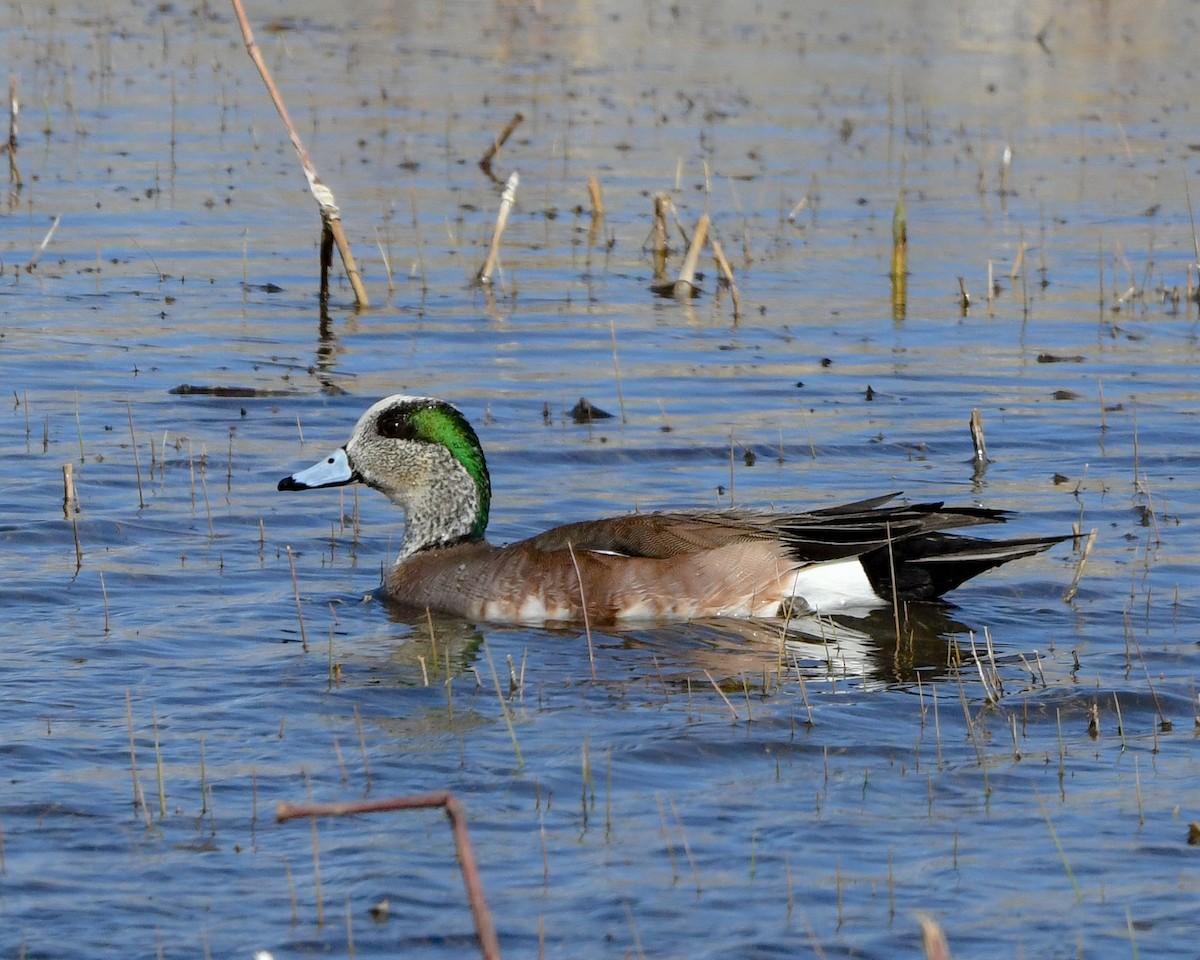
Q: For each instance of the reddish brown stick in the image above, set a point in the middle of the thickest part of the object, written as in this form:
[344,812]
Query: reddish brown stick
[485,929]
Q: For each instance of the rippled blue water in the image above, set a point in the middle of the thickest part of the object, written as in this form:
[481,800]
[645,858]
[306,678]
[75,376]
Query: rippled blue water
[827,794]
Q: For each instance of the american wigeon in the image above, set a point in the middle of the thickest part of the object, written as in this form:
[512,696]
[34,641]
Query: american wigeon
[422,454]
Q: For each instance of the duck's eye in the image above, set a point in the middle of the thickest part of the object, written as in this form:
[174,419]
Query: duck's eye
[397,425]
[331,460]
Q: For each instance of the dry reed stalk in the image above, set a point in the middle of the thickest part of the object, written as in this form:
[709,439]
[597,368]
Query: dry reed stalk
[362,745]
[899,272]
[980,458]
[331,217]
[1018,261]
[662,202]
[1058,846]
[1083,556]
[387,262]
[508,721]
[296,592]
[507,199]
[612,330]
[14,110]
[70,497]
[685,286]
[136,464]
[933,940]
[139,798]
[37,254]
[587,626]
[104,595]
[725,272]
[158,766]
[596,198]
[316,871]
[485,162]
[485,929]
[721,694]
[687,850]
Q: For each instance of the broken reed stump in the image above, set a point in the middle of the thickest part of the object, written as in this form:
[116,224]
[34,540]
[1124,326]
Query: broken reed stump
[485,929]
[725,272]
[685,285]
[507,199]
[597,201]
[980,458]
[596,198]
[899,260]
[485,162]
[331,218]
[662,203]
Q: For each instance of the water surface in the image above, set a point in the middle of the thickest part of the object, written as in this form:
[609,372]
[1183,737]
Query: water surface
[840,788]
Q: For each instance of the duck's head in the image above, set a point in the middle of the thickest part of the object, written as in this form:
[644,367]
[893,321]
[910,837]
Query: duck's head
[422,454]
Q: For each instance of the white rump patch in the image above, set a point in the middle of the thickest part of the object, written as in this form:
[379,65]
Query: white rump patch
[834,585]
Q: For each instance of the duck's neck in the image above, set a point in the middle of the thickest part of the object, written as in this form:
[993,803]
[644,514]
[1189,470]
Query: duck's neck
[450,507]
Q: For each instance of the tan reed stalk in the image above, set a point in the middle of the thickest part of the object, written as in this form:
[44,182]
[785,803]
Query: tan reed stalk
[662,203]
[387,262]
[291,882]
[1083,556]
[687,850]
[596,198]
[296,592]
[204,792]
[512,731]
[933,940]
[1058,846]
[485,929]
[317,895]
[362,744]
[37,254]
[104,595]
[899,271]
[587,626]
[158,766]
[139,798]
[485,162]
[349,931]
[612,332]
[136,463]
[204,490]
[507,199]
[721,694]
[585,781]
[78,427]
[731,469]
[637,941]
[725,271]
[331,218]
[685,285]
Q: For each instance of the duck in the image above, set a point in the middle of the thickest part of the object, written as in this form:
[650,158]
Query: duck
[423,455]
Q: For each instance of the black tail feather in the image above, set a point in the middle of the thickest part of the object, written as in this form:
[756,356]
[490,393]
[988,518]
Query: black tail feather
[925,567]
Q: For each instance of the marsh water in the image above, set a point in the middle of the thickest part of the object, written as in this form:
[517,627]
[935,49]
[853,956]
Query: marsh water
[189,646]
